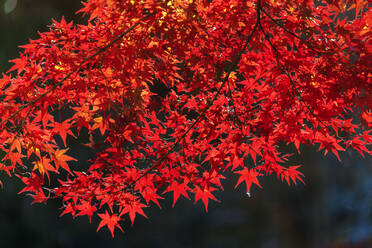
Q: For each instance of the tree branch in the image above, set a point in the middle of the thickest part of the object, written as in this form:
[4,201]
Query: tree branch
[59,83]
[224,81]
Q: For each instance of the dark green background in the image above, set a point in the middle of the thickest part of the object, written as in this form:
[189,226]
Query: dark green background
[334,209]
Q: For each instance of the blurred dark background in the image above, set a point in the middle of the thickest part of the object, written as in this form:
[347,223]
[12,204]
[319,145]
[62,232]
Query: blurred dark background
[333,209]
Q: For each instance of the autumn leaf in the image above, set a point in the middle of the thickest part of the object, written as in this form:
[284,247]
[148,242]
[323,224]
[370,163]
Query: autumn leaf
[204,194]
[63,129]
[111,221]
[33,183]
[178,189]
[44,166]
[85,208]
[292,174]
[249,176]
[61,159]
[132,208]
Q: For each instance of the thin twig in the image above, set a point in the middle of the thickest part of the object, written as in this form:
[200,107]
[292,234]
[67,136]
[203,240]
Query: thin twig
[291,33]
[224,81]
[101,50]
[293,85]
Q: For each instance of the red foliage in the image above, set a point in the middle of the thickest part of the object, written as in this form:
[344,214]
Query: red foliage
[183,92]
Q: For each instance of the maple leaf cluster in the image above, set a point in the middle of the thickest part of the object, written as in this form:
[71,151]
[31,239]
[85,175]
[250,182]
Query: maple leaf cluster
[237,79]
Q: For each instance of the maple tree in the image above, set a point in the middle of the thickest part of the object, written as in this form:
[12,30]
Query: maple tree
[181,92]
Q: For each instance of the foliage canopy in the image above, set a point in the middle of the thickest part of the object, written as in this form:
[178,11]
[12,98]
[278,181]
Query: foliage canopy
[181,92]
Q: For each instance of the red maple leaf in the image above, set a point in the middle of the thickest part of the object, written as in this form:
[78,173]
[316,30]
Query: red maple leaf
[63,129]
[249,176]
[204,194]
[132,207]
[33,183]
[292,174]
[61,159]
[178,189]
[111,221]
[86,208]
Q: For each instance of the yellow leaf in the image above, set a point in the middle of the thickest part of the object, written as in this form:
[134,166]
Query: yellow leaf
[39,166]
